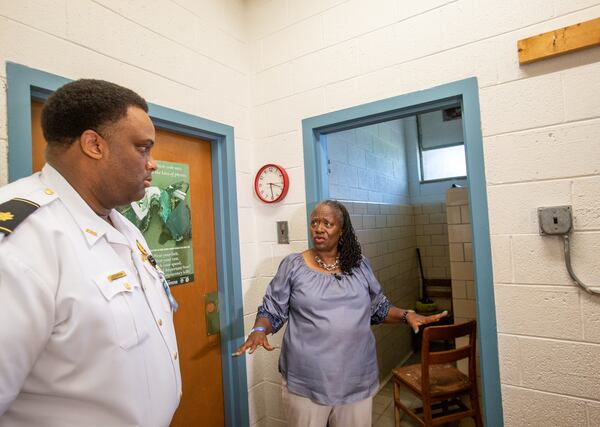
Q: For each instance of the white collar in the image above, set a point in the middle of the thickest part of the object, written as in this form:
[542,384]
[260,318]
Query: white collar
[92,226]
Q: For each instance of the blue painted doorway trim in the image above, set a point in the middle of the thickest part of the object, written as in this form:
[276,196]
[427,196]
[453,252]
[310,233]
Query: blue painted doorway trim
[25,84]
[314,131]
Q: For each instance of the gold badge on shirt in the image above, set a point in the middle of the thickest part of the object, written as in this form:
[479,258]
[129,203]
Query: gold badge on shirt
[142,250]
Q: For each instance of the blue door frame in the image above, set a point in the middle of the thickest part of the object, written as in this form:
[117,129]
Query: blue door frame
[25,84]
[466,91]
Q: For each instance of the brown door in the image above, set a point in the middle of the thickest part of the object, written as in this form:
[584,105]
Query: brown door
[200,354]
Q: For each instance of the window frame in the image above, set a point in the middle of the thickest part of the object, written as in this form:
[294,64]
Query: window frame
[420,149]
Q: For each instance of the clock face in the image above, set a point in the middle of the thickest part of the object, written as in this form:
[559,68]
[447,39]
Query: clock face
[271,183]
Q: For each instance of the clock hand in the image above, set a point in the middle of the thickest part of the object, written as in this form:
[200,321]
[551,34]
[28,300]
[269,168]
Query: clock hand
[271,187]
[276,185]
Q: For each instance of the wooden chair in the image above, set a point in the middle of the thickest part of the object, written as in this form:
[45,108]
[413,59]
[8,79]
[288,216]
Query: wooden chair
[437,381]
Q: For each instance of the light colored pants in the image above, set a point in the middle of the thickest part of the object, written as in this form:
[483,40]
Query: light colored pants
[303,412]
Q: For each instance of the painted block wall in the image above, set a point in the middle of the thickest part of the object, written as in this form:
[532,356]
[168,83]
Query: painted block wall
[137,44]
[264,65]
[187,55]
[461,256]
[461,265]
[368,164]
[540,123]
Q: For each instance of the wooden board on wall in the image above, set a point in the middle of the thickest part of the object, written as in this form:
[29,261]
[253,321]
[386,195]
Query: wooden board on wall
[558,42]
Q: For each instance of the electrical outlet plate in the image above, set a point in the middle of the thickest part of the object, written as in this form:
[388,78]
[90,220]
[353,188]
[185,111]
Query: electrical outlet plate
[282,232]
[555,220]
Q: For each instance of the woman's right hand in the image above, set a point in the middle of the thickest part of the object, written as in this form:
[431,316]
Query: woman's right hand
[255,339]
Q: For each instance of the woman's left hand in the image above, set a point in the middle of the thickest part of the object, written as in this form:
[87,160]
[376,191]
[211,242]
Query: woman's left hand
[416,320]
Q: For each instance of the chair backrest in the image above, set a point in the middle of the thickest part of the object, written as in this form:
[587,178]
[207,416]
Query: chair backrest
[444,333]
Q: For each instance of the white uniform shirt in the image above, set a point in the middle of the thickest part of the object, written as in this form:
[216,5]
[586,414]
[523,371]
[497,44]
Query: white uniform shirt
[79,345]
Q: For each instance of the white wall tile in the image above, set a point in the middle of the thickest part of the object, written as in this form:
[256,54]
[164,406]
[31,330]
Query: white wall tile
[546,368]
[513,208]
[503,107]
[356,17]
[549,153]
[586,204]
[266,17]
[286,115]
[523,407]
[502,259]
[29,13]
[582,92]
[292,42]
[590,313]
[257,407]
[562,7]
[510,363]
[535,303]
[540,260]
[273,83]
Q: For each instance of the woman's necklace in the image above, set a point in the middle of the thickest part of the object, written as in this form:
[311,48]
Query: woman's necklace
[328,267]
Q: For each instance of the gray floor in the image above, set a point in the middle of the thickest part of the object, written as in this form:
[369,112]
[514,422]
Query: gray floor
[383,403]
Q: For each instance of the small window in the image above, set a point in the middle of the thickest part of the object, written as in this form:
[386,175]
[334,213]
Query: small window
[441,145]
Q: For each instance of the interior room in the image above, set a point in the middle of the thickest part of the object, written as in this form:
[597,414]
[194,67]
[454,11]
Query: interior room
[465,129]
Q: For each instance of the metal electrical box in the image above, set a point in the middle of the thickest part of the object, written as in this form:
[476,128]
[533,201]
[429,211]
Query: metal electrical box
[555,220]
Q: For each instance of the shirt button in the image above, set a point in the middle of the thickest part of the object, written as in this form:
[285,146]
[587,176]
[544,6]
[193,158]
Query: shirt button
[159,322]
[49,191]
[127,286]
[175,355]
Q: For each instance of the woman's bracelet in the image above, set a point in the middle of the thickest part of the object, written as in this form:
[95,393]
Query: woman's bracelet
[258,329]
[404,318]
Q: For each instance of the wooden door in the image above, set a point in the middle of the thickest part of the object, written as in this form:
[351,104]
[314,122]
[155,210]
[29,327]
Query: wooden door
[200,354]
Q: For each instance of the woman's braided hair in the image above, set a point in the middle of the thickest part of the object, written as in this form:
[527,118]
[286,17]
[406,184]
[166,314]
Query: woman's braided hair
[348,246]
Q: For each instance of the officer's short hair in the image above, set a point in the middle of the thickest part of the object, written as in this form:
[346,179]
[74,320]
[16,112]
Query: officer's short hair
[85,104]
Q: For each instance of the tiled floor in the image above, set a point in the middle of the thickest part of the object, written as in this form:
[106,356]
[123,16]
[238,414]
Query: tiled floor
[383,403]
[383,408]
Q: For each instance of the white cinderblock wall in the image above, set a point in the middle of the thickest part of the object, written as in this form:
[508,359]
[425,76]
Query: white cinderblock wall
[264,65]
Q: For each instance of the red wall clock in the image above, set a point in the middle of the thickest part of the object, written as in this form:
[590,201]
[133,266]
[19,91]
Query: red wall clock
[271,183]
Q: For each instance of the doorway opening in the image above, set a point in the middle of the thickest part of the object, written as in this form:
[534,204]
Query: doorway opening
[410,170]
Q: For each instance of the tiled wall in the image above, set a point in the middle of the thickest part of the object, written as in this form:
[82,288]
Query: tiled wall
[432,239]
[369,164]
[461,261]
[431,230]
[461,254]
[387,237]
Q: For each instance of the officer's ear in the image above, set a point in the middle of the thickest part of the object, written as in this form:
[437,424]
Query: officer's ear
[92,144]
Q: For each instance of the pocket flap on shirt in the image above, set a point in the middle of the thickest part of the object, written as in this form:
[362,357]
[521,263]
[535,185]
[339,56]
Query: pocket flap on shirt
[115,282]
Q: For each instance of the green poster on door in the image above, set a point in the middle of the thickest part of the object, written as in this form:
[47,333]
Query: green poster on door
[164,218]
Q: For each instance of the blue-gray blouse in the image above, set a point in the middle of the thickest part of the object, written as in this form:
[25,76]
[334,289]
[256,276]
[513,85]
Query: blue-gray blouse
[328,351]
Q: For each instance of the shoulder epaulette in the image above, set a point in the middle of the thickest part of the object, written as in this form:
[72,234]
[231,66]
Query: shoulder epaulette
[14,212]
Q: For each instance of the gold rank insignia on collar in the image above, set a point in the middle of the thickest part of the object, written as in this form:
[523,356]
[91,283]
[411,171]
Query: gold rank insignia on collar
[142,250]
[14,212]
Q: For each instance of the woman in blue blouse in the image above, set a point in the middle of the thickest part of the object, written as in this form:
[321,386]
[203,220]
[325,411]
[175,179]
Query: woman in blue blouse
[329,296]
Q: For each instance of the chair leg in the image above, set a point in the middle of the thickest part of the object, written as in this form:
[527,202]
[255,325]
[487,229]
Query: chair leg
[427,413]
[396,408]
[474,395]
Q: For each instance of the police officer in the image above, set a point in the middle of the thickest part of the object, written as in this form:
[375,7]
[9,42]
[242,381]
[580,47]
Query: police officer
[86,319]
